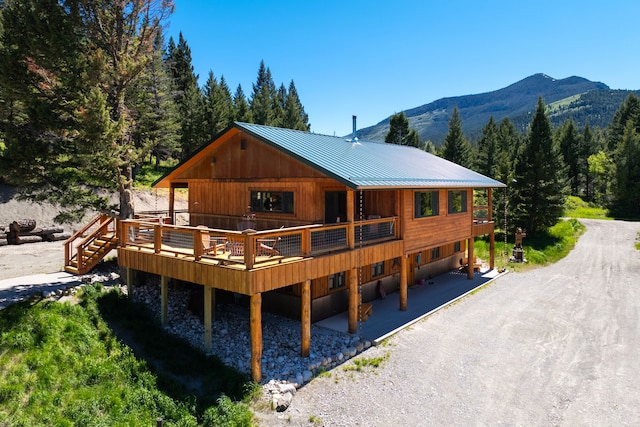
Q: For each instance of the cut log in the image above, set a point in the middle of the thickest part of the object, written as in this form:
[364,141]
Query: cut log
[19,240]
[3,242]
[3,235]
[23,225]
[54,237]
[43,231]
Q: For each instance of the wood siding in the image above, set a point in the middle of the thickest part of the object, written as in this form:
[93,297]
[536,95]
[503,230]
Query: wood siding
[423,233]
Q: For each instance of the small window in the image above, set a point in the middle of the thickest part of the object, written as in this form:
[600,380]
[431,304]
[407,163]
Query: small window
[435,253]
[377,269]
[426,204]
[337,281]
[456,247]
[457,201]
[272,201]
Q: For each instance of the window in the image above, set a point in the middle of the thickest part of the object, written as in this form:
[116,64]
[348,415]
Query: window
[456,247]
[435,253]
[457,201]
[336,281]
[272,201]
[426,204]
[377,269]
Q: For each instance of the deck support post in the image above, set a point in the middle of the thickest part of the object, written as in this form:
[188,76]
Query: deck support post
[492,250]
[305,319]
[130,274]
[470,258]
[164,300]
[256,336]
[209,308]
[353,301]
[403,282]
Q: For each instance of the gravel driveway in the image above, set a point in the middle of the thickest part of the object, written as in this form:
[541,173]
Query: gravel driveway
[558,345]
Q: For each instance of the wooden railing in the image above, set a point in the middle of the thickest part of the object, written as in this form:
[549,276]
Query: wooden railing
[251,247]
[87,246]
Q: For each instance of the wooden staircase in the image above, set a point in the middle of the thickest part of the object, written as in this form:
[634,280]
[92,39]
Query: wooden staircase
[88,246]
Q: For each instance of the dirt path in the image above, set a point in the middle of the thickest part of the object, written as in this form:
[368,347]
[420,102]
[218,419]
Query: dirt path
[552,346]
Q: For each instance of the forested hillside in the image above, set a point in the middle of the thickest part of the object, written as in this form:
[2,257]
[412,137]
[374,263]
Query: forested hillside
[574,97]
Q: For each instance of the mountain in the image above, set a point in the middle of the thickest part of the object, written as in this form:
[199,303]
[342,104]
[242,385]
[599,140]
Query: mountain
[572,97]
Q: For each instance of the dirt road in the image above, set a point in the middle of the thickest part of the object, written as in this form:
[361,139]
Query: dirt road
[553,346]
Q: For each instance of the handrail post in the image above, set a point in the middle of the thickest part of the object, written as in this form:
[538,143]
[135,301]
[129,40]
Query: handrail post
[306,242]
[157,238]
[197,243]
[249,248]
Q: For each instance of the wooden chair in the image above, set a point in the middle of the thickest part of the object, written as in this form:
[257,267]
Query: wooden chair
[211,244]
[366,310]
[267,247]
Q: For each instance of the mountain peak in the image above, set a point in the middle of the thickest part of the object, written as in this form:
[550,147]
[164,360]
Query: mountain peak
[518,99]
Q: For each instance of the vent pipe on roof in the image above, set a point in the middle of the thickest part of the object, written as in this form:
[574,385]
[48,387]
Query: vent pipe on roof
[354,138]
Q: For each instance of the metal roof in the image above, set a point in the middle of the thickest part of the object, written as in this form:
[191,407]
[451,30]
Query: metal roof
[367,164]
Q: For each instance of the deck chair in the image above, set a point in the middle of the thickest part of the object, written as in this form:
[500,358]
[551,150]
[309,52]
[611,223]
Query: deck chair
[266,250]
[211,244]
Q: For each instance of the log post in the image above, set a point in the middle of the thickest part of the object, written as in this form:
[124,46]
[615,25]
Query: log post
[256,336]
[129,281]
[353,301]
[350,219]
[403,282]
[305,319]
[492,250]
[164,300]
[470,258]
[209,306]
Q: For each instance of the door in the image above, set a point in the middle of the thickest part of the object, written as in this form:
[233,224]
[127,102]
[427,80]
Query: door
[335,206]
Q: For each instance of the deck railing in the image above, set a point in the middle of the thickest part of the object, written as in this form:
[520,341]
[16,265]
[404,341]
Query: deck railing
[250,247]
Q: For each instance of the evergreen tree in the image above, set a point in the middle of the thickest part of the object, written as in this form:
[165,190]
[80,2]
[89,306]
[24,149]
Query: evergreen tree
[68,69]
[590,146]
[629,110]
[572,151]
[456,146]
[187,95]
[539,190]
[278,106]
[218,107]
[155,110]
[263,98]
[488,151]
[294,115]
[508,145]
[626,203]
[241,111]
[400,133]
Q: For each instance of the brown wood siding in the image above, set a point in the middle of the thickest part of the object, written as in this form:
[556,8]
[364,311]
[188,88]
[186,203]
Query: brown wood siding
[256,161]
[420,233]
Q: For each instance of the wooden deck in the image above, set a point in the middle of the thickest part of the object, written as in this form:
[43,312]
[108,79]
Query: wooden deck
[267,261]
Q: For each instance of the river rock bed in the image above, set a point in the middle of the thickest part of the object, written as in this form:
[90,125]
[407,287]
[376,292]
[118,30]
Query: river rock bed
[231,339]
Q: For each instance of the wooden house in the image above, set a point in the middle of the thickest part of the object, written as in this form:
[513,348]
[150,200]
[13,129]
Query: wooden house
[306,224]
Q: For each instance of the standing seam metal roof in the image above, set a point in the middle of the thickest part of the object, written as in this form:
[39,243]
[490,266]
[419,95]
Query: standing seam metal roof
[366,164]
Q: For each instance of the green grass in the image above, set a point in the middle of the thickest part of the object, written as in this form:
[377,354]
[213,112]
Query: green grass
[361,363]
[147,174]
[575,207]
[540,249]
[638,242]
[62,365]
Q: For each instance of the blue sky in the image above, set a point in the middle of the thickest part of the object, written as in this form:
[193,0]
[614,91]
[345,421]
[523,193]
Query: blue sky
[376,58]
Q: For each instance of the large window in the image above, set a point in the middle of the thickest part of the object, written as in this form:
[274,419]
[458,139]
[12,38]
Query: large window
[272,201]
[426,204]
[457,201]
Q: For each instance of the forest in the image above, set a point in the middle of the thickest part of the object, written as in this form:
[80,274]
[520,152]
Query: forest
[91,91]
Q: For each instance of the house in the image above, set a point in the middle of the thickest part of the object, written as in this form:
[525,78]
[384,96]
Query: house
[307,224]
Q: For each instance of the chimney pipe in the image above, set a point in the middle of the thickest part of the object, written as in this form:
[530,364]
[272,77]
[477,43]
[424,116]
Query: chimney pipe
[355,136]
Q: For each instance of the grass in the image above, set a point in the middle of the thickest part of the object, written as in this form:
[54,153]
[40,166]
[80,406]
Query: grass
[638,242]
[63,365]
[147,174]
[541,249]
[575,207]
[361,363]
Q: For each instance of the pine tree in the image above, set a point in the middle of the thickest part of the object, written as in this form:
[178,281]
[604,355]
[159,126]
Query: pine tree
[218,107]
[400,133]
[294,115]
[456,146]
[155,110]
[263,98]
[241,111]
[539,190]
[188,96]
[572,150]
[488,151]
[626,203]
[71,68]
